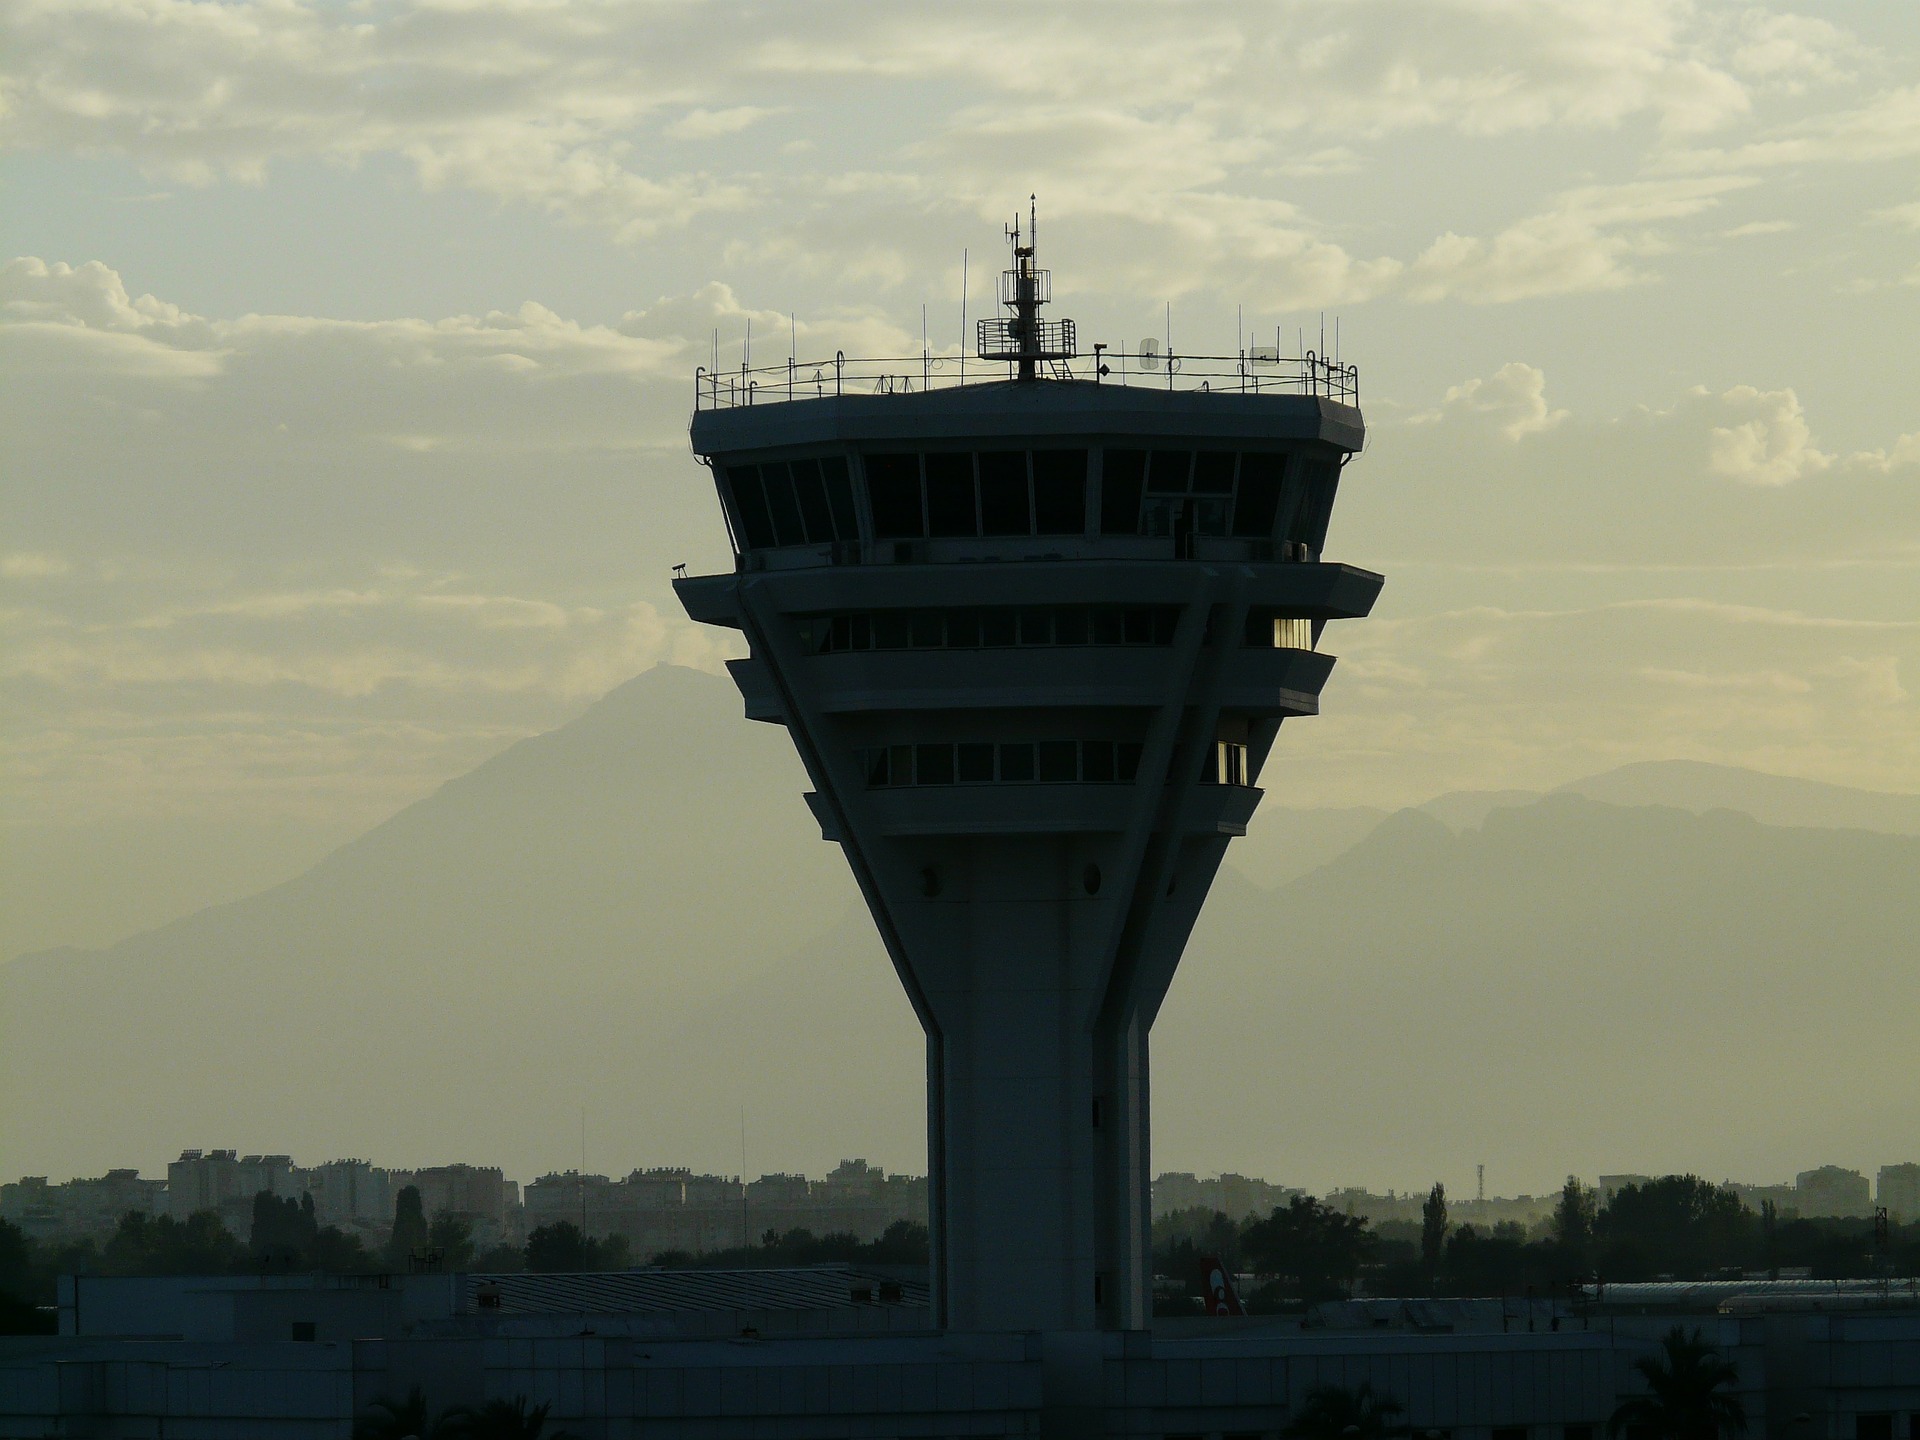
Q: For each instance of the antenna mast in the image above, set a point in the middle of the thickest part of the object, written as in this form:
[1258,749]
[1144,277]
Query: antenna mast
[1025,338]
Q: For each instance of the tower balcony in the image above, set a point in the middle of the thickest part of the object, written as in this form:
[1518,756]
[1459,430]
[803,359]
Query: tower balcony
[959,811]
[1268,683]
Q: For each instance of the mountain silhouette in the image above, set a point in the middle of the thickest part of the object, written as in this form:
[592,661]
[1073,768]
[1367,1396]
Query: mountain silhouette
[635,914]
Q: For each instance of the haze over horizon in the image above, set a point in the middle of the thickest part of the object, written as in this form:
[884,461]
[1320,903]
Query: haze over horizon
[345,356]
[533,939]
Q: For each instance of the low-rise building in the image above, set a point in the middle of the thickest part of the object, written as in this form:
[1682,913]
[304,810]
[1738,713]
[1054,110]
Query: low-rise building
[79,1208]
[663,1210]
[1236,1196]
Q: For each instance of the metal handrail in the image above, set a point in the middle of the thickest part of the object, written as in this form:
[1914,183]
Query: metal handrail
[1247,373]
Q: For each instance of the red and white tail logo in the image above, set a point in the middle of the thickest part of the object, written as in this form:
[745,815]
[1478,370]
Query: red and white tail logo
[1221,1296]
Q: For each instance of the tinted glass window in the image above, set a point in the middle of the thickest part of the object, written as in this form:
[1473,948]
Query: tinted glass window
[1016,762]
[1057,760]
[833,470]
[997,628]
[976,763]
[891,630]
[1003,493]
[1208,515]
[1168,473]
[1123,475]
[933,764]
[950,495]
[1060,492]
[893,492]
[1096,760]
[928,629]
[963,628]
[750,505]
[787,528]
[1259,498]
[812,494]
[1213,472]
[1070,626]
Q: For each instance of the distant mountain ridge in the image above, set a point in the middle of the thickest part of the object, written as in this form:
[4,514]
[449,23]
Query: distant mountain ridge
[635,913]
[1285,844]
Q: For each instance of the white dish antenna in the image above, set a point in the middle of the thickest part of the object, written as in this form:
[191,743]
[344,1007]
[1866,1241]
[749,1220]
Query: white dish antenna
[1149,354]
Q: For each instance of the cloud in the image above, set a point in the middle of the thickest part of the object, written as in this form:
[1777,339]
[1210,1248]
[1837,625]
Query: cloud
[1514,397]
[1886,127]
[1586,241]
[1773,447]
[29,565]
[1191,121]
[703,124]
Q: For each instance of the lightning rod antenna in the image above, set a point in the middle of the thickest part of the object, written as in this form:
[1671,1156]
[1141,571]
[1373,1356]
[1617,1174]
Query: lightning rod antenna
[963,316]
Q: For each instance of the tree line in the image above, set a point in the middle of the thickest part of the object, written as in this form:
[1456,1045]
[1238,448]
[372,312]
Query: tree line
[1678,1227]
[285,1236]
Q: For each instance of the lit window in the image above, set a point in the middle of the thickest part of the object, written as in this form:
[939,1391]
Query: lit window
[1292,633]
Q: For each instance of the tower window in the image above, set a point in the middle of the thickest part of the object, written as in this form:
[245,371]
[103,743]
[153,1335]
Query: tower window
[1213,472]
[833,471]
[996,627]
[1259,499]
[1060,492]
[1004,509]
[1226,764]
[893,491]
[1169,471]
[927,629]
[1124,475]
[975,763]
[811,491]
[1059,761]
[1013,762]
[951,506]
[750,506]
[787,526]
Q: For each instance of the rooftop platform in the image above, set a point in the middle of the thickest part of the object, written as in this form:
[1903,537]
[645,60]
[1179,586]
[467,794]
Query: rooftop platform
[741,411]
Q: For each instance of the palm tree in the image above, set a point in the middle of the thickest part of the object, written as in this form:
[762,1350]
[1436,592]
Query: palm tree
[389,1419]
[1331,1413]
[1685,1397]
[504,1420]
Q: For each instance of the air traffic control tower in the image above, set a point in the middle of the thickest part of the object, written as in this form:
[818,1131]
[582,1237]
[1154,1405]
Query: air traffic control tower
[1033,620]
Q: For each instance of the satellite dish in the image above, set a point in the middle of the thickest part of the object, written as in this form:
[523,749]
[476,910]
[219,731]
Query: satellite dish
[1266,355]
[1149,354]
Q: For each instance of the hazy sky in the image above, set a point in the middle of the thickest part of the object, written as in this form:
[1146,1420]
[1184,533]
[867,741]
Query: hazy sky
[346,361]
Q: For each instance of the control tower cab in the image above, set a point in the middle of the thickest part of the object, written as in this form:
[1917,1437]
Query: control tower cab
[1033,621]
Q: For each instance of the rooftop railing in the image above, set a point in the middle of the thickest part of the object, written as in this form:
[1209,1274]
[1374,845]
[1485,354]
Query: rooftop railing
[1253,372]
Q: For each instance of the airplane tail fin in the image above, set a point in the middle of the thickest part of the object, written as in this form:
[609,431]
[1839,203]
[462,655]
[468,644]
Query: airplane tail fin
[1217,1281]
